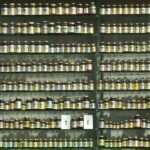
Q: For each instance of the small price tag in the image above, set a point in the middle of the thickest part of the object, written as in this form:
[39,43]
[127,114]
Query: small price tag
[88,122]
[65,121]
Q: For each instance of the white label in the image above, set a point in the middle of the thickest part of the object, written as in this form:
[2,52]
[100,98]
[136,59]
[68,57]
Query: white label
[88,122]
[65,121]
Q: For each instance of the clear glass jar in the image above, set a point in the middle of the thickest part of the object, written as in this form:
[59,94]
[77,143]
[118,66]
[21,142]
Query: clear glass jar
[18,9]
[4,9]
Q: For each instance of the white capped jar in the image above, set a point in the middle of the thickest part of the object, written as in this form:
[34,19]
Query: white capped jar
[18,47]
[44,27]
[73,9]
[102,28]
[18,9]
[142,66]
[143,47]
[137,9]
[4,28]
[25,9]
[131,9]
[119,10]
[130,65]
[32,9]
[66,10]
[52,9]
[142,28]
[79,9]
[46,9]
[125,28]
[102,10]
[114,10]
[92,8]
[143,9]
[31,28]
[11,9]
[125,9]
[108,10]
[12,47]
[60,9]
[39,9]
[4,9]
[25,47]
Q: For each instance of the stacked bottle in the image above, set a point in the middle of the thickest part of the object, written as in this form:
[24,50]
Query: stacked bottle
[53,66]
[45,47]
[124,84]
[134,142]
[47,85]
[46,28]
[46,143]
[125,9]
[124,103]
[119,47]
[136,122]
[48,9]
[48,103]
[125,65]
[125,28]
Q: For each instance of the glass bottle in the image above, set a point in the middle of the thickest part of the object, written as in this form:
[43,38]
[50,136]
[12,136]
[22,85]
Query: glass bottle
[4,9]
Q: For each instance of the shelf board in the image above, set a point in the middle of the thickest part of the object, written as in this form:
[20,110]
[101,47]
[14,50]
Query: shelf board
[51,15]
[124,128]
[111,109]
[46,53]
[127,15]
[55,129]
[141,148]
[47,148]
[124,90]
[52,110]
[121,34]
[48,72]
[124,71]
[54,91]
[124,52]
[51,34]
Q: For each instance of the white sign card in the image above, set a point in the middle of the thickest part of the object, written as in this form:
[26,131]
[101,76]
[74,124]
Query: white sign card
[65,121]
[88,121]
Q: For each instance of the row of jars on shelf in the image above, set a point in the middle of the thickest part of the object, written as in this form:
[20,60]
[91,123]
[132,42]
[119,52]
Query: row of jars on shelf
[36,123]
[46,143]
[125,9]
[124,142]
[53,66]
[125,65]
[136,122]
[125,28]
[47,85]
[48,104]
[124,103]
[45,47]
[48,8]
[46,28]
[126,46]
[124,84]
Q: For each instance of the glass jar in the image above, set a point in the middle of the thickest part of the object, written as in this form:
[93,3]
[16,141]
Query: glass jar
[39,9]
[60,9]
[25,9]
[4,9]
[11,9]
[32,9]
[53,9]
[92,8]
[18,9]
[66,10]
[31,28]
